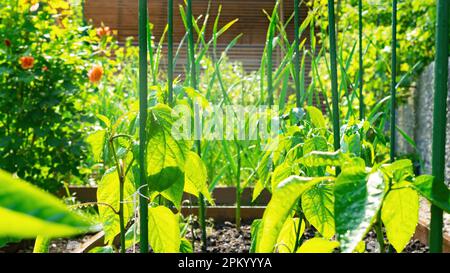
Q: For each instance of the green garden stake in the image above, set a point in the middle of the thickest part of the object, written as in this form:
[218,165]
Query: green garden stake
[143,85]
[334,83]
[439,119]
[393,79]
[170,51]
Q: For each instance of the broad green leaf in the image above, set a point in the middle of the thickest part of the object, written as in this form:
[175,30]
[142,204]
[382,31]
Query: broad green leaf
[399,170]
[108,193]
[318,208]
[440,196]
[175,192]
[195,177]
[318,245]
[257,190]
[400,215]
[316,143]
[358,197]
[163,230]
[352,144]
[186,246]
[254,232]
[316,117]
[105,120]
[323,159]
[132,236]
[27,212]
[360,248]
[102,249]
[280,173]
[97,142]
[283,200]
[288,235]
[166,156]
[41,244]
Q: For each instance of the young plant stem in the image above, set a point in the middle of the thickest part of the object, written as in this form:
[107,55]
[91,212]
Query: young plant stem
[299,227]
[193,81]
[379,231]
[143,85]
[393,80]
[170,51]
[238,189]
[297,52]
[334,83]
[121,175]
[361,65]
[439,120]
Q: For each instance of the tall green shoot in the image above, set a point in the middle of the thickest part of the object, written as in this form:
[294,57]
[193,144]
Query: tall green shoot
[170,51]
[194,84]
[361,65]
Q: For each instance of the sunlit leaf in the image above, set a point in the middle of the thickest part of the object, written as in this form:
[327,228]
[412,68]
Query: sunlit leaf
[358,197]
[163,230]
[318,245]
[318,208]
[28,212]
[108,194]
[440,196]
[283,200]
[400,215]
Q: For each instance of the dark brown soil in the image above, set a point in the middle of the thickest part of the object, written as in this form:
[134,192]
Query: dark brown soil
[56,246]
[222,238]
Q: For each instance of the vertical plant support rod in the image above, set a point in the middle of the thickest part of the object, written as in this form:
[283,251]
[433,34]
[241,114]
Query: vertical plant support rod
[297,52]
[201,199]
[393,79]
[439,119]
[361,65]
[334,83]
[170,51]
[143,85]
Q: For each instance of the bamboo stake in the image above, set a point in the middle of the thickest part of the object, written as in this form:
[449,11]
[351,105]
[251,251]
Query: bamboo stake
[439,119]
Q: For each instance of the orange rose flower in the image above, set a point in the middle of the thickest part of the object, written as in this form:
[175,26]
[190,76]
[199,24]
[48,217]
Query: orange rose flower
[95,74]
[103,31]
[27,62]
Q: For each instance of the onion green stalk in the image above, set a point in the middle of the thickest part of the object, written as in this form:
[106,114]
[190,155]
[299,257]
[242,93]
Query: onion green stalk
[170,51]
[143,85]
[361,67]
[297,52]
[194,84]
[439,119]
